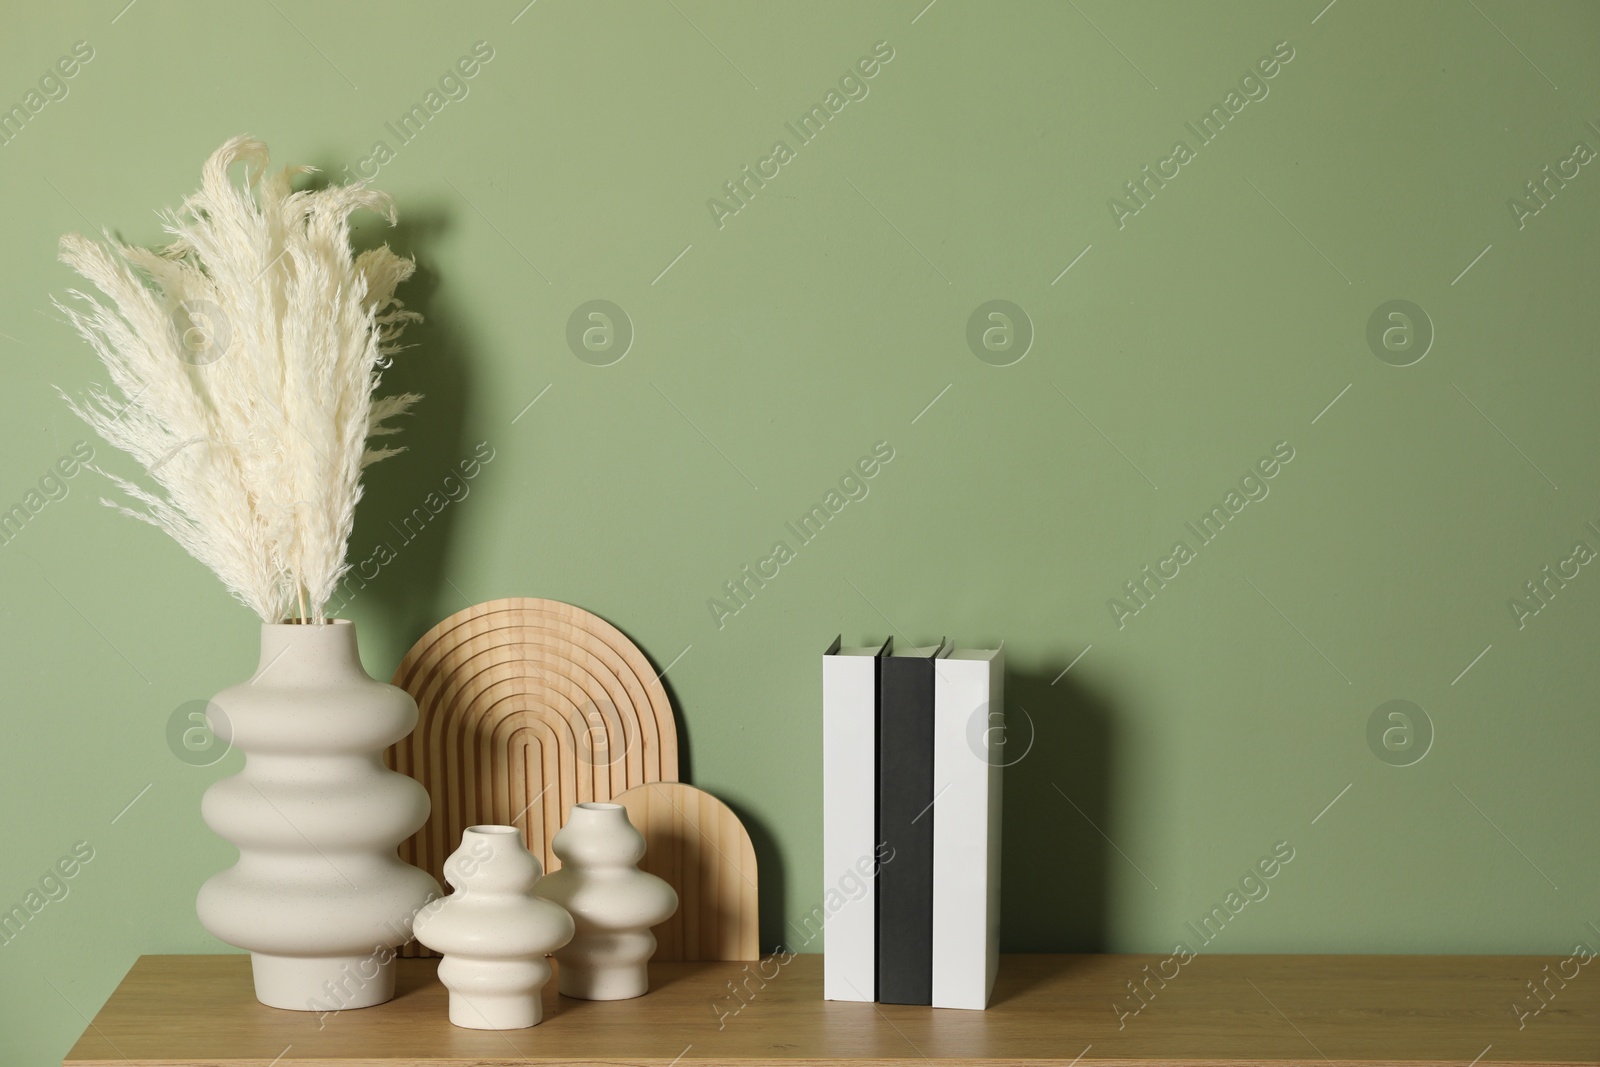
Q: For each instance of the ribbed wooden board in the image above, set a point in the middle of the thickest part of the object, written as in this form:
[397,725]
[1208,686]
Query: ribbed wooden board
[696,842]
[526,707]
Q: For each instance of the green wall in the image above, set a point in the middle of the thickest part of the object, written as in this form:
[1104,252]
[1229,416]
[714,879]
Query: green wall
[1196,332]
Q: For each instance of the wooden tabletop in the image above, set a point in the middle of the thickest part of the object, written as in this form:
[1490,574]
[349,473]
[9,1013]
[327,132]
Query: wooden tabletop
[199,1011]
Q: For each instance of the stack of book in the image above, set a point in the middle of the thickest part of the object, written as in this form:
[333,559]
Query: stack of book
[912,758]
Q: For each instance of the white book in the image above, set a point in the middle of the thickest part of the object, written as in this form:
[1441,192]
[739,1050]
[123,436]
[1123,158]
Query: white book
[848,912]
[968,756]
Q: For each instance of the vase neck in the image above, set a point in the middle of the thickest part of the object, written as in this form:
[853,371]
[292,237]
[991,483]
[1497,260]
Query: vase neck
[597,836]
[296,652]
[485,846]
[492,860]
[597,815]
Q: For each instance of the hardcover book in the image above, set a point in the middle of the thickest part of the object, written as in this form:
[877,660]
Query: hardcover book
[849,825]
[906,825]
[968,758]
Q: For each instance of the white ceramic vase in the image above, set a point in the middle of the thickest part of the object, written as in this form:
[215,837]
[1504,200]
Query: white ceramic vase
[494,933]
[612,902]
[319,896]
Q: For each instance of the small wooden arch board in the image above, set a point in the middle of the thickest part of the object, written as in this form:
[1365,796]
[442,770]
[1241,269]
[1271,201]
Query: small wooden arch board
[696,842]
[525,708]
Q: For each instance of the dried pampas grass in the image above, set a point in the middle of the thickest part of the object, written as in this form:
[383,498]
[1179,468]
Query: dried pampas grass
[243,360]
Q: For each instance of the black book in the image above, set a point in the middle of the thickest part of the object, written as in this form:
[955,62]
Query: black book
[905,825]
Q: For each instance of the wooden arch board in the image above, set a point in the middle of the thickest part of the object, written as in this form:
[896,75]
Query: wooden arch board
[526,707]
[696,842]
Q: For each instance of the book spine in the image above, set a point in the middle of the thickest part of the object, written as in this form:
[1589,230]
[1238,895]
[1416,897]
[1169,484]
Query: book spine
[906,829]
[849,798]
[969,731]
[998,761]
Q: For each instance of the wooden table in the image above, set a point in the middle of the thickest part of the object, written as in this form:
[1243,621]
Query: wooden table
[199,1010]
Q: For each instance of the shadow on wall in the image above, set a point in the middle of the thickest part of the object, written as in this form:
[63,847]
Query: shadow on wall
[1055,866]
[771,884]
[410,504]
[771,888]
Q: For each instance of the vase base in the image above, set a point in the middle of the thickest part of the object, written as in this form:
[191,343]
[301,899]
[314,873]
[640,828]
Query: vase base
[487,1011]
[603,982]
[323,983]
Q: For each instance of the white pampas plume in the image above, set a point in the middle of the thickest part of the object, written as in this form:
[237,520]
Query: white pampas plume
[243,359]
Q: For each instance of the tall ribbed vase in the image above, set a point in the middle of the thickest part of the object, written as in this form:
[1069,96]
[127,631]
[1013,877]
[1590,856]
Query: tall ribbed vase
[319,897]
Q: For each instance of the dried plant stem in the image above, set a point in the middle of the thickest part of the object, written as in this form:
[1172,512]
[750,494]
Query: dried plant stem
[256,441]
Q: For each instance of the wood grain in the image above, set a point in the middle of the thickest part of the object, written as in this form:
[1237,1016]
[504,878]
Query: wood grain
[198,1011]
[696,842]
[526,707]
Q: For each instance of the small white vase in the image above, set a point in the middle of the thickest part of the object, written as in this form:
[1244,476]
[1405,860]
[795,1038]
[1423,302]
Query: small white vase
[612,902]
[318,897]
[493,931]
